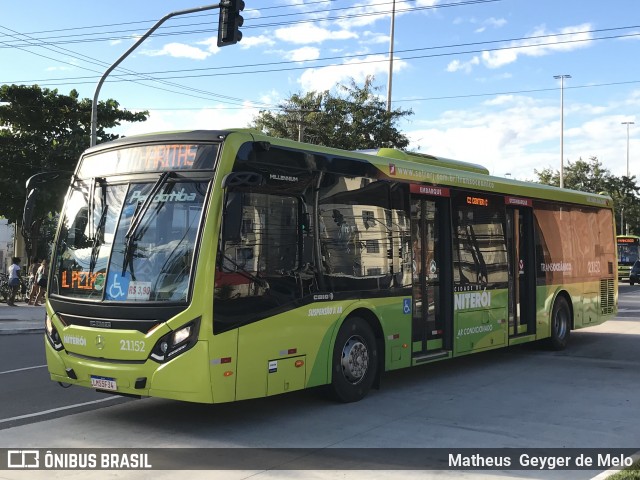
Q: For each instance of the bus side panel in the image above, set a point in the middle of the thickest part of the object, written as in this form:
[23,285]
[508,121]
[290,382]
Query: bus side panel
[589,305]
[481,320]
[223,355]
[170,380]
[394,315]
[293,350]
[266,347]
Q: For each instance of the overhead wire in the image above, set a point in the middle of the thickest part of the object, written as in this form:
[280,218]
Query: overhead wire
[280,64]
[165,33]
[155,20]
[397,52]
[34,42]
[149,76]
[221,98]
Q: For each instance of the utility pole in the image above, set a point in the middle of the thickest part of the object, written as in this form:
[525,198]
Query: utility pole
[391,40]
[625,227]
[561,77]
[627,124]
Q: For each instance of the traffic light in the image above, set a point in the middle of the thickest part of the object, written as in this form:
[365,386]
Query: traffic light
[230,21]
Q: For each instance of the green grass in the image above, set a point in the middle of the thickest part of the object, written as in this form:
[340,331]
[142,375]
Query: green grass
[631,473]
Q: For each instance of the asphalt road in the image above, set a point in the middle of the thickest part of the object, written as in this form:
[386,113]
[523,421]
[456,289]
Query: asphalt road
[522,397]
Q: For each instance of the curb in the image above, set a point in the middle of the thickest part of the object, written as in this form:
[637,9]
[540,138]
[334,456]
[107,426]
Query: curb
[15,331]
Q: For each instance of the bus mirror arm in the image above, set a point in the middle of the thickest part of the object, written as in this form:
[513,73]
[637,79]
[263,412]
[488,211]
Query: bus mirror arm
[32,184]
[27,214]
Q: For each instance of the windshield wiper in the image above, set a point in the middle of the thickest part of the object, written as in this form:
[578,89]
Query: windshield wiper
[132,233]
[95,247]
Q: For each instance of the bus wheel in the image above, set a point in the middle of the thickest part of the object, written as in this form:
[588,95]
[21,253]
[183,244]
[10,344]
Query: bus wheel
[355,361]
[560,324]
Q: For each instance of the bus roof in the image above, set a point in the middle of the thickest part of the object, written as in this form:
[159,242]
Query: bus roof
[392,164]
[428,160]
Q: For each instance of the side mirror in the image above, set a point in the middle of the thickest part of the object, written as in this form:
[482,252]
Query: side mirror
[41,178]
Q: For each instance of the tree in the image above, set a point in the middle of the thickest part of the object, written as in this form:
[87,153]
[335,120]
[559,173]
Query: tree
[624,192]
[43,131]
[591,176]
[357,119]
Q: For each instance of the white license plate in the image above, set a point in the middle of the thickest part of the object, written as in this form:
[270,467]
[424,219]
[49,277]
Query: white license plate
[103,383]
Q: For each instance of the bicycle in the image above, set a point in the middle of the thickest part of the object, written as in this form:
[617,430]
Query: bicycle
[22,295]
[5,289]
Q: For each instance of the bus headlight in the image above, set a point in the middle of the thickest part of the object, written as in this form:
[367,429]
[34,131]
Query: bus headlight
[52,334]
[176,342]
[181,335]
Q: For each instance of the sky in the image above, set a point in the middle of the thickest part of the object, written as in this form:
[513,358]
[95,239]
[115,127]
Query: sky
[477,74]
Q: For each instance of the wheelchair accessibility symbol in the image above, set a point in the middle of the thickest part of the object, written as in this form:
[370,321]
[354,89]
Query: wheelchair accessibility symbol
[406,306]
[117,287]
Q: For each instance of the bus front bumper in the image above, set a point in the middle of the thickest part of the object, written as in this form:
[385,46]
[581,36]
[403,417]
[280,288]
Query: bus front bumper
[147,378]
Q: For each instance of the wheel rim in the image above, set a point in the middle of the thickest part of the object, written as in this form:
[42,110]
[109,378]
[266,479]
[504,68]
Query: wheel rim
[560,324]
[355,360]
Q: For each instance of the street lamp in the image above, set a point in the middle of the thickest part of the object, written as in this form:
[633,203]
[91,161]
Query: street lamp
[94,104]
[627,124]
[391,35]
[561,77]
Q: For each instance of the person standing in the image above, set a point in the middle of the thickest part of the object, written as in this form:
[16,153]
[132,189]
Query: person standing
[14,280]
[41,281]
[33,271]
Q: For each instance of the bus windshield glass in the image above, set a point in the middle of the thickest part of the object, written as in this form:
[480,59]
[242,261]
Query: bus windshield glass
[628,250]
[129,241]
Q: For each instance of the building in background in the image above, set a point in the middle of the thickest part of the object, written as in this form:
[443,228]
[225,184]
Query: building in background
[6,244]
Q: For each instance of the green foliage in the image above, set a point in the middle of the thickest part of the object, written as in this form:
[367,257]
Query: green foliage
[43,131]
[591,176]
[631,473]
[357,119]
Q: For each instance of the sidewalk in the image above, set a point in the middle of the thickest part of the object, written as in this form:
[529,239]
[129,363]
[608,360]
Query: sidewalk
[21,319]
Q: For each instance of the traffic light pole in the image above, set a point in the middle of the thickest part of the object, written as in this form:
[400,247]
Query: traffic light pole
[94,104]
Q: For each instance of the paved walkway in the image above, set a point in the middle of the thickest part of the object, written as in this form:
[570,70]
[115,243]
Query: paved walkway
[22,318]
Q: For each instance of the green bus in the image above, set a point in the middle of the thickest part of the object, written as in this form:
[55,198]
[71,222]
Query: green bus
[628,254]
[214,266]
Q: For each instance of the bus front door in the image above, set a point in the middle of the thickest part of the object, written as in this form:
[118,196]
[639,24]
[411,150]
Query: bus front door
[429,236]
[522,293]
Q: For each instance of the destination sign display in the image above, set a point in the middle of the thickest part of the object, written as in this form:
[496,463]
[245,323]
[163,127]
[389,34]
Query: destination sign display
[149,158]
[479,201]
[628,240]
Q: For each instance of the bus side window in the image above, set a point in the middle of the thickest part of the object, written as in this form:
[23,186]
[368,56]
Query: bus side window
[361,236]
[260,256]
[480,250]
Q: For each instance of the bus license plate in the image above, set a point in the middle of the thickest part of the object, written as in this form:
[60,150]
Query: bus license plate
[103,383]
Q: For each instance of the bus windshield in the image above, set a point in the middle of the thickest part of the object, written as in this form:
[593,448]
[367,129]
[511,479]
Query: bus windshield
[129,241]
[628,253]
[96,260]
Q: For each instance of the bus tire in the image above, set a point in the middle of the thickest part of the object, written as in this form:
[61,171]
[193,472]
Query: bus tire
[354,361]
[560,324]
